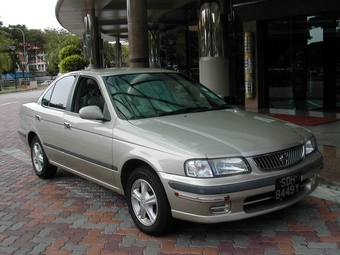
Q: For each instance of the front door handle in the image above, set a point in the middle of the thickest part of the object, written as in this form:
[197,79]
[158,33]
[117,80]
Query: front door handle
[67,125]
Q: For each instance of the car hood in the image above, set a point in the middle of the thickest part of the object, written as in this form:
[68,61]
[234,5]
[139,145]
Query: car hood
[218,133]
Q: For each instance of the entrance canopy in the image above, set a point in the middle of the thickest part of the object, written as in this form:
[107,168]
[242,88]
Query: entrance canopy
[111,15]
[250,10]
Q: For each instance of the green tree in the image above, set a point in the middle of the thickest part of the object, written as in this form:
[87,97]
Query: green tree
[71,59]
[18,37]
[55,41]
[34,42]
[72,63]
[69,50]
[109,54]
[125,55]
[6,63]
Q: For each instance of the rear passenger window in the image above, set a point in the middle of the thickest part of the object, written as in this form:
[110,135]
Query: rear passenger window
[47,97]
[60,93]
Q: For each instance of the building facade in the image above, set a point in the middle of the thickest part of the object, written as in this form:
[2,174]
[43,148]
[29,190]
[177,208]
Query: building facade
[282,54]
[36,63]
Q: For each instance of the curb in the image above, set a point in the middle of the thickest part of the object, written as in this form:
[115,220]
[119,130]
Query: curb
[18,91]
[329,184]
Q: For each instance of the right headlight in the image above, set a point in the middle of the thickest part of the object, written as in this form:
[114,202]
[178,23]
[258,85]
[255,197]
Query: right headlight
[216,167]
[310,145]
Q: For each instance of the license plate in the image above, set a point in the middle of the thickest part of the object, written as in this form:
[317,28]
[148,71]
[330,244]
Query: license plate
[287,186]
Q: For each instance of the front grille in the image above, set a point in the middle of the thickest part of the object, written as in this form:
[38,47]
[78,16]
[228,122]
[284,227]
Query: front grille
[280,159]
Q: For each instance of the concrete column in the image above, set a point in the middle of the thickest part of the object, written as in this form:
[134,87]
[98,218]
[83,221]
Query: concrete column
[92,40]
[213,64]
[154,46]
[118,53]
[97,40]
[257,101]
[138,33]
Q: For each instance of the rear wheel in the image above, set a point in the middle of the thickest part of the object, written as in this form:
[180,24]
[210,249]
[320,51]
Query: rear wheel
[147,201]
[40,163]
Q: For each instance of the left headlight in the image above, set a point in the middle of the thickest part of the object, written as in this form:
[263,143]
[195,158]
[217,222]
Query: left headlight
[310,145]
[216,167]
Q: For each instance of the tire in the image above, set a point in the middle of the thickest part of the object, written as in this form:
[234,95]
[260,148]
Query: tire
[147,201]
[41,166]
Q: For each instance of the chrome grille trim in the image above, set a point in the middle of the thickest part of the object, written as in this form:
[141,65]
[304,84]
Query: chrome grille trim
[280,159]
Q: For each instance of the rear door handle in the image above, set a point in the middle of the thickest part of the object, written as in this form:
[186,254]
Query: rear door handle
[38,117]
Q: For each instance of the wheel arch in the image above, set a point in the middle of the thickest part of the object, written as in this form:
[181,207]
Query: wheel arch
[30,137]
[129,167]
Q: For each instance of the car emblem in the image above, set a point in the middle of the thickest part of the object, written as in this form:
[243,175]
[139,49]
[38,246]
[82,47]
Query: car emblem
[283,158]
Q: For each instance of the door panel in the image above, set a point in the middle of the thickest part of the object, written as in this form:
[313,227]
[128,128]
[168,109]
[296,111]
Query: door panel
[88,143]
[49,125]
[49,118]
[88,147]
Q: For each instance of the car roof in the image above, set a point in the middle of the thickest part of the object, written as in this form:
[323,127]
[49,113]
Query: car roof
[118,71]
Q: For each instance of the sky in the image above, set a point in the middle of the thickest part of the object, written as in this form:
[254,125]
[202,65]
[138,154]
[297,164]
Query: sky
[35,14]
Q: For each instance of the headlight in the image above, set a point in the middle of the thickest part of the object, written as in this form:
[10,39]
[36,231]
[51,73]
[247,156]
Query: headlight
[310,146]
[216,167]
[198,168]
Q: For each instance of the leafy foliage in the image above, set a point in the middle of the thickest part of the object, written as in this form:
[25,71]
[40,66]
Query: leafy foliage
[72,63]
[56,40]
[5,57]
[6,60]
[71,59]
[109,54]
[69,50]
[52,42]
[109,51]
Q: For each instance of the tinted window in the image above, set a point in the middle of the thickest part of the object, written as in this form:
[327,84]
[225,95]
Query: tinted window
[61,92]
[87,93]
[47,97]
[146,95]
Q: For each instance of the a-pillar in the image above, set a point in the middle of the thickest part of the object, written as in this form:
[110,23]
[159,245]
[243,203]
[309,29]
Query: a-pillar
[138,33]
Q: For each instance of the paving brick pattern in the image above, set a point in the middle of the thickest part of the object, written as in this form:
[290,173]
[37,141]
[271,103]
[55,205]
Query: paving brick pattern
[69,215]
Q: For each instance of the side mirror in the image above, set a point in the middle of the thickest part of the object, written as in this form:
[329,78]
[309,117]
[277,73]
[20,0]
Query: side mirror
[92,112]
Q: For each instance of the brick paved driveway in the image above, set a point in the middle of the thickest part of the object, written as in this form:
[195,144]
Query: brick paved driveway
[69,215]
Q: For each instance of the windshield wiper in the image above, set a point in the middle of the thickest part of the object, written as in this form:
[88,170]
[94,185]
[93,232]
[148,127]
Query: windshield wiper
[223,106]
[185,110]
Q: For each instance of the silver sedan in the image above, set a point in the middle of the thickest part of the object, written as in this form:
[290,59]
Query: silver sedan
[172,146]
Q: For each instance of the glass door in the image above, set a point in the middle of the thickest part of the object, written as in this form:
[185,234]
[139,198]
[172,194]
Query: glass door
[304,62]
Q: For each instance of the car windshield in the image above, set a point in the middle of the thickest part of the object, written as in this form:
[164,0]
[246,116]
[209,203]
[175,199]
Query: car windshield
[147,95]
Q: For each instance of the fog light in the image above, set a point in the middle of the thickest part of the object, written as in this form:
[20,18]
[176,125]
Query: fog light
[314,178]
[220,209]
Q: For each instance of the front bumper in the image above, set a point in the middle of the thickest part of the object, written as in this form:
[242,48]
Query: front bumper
[204,201]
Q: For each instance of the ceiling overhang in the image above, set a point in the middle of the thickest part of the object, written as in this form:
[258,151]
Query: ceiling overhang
[111,15]
[250,10]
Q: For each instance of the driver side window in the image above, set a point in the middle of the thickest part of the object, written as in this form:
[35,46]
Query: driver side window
[88,93]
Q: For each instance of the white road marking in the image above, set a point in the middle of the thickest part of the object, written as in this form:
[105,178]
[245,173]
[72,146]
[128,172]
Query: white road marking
[9,103]
[326,193]
[18,154]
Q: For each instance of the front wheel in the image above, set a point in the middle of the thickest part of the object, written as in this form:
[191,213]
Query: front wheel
[147,201]
[40,163]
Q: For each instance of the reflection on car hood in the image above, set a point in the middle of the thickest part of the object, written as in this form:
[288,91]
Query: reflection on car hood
[217,133]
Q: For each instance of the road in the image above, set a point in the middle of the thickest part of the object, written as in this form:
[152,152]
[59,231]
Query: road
[69,215]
